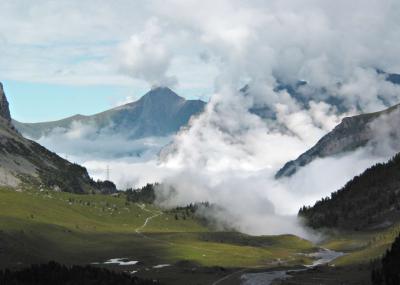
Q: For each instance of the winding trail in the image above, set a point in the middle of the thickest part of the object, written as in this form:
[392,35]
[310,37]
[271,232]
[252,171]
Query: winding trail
[148,219]
[138,230]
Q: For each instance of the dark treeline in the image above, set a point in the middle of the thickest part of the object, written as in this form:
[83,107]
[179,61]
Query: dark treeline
[367,200]
[388,272]
[145,194]
[54,273]
[192,207]
[105,187]
[189,210]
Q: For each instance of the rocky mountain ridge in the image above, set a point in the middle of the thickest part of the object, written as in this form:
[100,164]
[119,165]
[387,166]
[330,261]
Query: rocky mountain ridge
[351,134]
[4,110]
[25,163]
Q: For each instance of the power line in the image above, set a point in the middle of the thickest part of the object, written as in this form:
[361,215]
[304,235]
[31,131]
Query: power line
[108,172]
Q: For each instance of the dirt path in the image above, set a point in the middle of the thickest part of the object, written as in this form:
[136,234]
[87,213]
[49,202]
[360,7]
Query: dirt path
[155,215]
[148,219]
[138,230]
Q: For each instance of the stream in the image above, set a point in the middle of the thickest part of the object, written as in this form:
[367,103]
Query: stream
[323,256]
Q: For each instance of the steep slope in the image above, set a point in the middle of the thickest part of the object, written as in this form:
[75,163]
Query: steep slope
[368,201]
[159,112]
[4,110]
[26,163]
[350,134]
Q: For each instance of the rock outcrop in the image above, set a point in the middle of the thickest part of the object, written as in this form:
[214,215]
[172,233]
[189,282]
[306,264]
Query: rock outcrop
[25,163]
[4,109]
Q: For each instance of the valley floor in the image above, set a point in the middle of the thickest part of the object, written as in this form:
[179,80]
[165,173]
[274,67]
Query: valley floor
[174,247]
[36,227]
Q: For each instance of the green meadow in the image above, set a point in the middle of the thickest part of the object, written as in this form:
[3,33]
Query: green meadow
[37,226]
[361,247]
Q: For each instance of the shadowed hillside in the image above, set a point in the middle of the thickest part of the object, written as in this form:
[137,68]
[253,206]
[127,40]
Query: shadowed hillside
[24,163]
[370,200]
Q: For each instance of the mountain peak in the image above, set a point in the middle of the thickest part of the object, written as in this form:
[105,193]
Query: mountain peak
[4,109]
[160,88]
[161,93]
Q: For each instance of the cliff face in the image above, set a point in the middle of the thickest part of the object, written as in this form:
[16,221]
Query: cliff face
[4,110]
[26,163]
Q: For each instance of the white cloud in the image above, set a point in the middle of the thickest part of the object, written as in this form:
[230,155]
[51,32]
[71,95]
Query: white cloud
[227,155]
[85,142]
[146,56]
[316,41]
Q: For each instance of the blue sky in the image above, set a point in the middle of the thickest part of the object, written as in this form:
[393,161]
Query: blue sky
[52,69]
[38,102]
[35,102]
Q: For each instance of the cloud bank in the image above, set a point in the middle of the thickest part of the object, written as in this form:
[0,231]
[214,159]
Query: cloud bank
[86,141]
[228,155]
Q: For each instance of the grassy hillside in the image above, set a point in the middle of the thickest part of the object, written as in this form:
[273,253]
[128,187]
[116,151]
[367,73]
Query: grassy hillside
[363,218]
[363,252]
[361,247]
[40,226]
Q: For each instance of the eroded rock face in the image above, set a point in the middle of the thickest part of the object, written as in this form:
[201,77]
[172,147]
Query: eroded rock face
[4,110]
[25,162]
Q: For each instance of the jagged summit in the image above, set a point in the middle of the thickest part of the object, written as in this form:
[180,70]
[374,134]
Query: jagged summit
[4,109]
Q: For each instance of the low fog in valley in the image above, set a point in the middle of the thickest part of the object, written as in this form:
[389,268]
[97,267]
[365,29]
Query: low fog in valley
[229,154]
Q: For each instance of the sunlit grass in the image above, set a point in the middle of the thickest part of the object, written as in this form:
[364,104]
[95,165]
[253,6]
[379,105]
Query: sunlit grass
[361,247]
[38,226]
